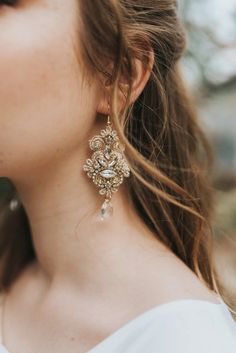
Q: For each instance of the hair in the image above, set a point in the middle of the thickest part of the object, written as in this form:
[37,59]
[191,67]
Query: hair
[168,153]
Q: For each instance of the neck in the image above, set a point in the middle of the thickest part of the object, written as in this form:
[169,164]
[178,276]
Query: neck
[71,243]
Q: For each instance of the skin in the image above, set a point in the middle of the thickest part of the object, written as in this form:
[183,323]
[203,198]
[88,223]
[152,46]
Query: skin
[89,278]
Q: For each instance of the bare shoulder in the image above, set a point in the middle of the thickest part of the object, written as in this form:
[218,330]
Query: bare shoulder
[178,281]
[185,283]
[167,278]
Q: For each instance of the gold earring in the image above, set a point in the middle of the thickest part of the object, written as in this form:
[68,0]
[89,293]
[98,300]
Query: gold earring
[107,166]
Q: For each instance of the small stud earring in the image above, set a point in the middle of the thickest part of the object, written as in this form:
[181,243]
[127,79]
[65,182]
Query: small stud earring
[14,204]
[107,166]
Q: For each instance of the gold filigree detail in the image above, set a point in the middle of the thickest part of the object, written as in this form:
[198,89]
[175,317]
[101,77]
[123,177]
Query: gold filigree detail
[107,166]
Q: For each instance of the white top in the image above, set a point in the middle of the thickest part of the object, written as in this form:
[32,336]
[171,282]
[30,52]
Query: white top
[180,326]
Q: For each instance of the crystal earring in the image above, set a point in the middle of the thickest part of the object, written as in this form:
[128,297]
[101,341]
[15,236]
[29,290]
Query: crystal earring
[107,166]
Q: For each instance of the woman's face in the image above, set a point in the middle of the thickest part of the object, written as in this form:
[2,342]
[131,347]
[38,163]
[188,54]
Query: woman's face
[46,109]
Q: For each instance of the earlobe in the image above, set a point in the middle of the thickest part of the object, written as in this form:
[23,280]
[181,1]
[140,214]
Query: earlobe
[104,103]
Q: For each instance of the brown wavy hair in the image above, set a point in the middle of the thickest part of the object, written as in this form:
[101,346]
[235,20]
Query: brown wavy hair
[168,153]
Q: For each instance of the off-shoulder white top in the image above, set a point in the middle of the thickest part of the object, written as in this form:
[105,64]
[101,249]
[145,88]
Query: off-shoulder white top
[180,326]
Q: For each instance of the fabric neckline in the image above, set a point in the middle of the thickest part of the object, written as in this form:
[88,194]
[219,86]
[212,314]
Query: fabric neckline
[157,309]
[149,313]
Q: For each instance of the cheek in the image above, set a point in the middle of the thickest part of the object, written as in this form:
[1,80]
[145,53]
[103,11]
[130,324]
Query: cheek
[43,104]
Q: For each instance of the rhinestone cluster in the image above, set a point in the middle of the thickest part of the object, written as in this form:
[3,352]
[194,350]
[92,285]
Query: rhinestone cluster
[107,166]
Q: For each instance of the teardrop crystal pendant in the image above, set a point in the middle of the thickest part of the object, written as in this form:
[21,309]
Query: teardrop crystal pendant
[107,166]
[106,210]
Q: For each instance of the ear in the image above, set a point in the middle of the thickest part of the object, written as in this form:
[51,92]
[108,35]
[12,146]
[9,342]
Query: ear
[142,71]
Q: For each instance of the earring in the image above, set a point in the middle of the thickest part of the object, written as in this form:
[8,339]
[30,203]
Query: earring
[107,166]
[14,204]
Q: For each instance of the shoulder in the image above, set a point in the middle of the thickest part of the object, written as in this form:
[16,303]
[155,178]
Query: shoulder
[186,326]
[166,278]
[192,326]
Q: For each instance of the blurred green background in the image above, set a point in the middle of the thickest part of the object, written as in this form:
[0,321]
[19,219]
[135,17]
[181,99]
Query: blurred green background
[209,67]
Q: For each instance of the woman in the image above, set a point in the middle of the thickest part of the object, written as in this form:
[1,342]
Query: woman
[106,242]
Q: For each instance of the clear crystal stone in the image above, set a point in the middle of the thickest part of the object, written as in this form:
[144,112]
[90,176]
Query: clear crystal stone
[106,210]
[108,173]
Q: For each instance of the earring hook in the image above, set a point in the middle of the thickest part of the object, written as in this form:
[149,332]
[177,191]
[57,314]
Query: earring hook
[108,116]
